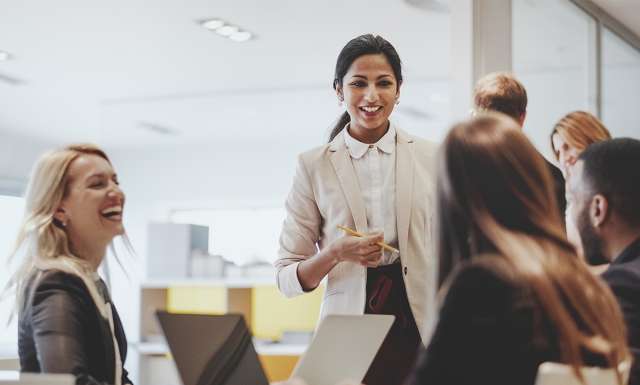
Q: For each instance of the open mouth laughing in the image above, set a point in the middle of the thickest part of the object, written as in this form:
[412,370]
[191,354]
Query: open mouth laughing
[113,213]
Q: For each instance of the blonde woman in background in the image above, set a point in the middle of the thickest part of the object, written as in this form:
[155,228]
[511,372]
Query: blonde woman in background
[570,137]
[573,134]
[67,323]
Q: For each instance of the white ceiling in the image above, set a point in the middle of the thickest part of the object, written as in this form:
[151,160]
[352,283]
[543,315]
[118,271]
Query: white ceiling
[93,70]
[625,11]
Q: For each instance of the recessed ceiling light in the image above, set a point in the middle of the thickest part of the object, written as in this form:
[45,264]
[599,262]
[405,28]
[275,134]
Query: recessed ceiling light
[212,24]
[4,56]
[227,30]
[157,128]
[241,36]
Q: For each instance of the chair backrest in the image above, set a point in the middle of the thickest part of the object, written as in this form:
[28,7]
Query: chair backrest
[9,363]
[16,378]
[552,373]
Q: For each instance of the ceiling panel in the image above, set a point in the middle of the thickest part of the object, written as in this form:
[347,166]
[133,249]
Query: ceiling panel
[92,70]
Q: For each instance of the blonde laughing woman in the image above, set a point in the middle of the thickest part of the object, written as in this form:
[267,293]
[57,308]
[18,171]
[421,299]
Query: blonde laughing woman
[67,322]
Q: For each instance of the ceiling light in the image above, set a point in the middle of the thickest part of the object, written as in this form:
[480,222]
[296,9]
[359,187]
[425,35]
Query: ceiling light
[431,5]
[157,128]
[212,24]
[241,36]
[227,30]
[4,56]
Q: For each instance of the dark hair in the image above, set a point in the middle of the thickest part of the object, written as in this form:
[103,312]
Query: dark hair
[495,197]
[612,168]
[362,45]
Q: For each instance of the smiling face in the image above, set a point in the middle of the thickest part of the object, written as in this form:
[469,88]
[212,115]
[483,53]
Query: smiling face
[567,154]
[369,90]
[91,211]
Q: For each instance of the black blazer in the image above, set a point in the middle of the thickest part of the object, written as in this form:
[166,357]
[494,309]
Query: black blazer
[491,330]
[558,188]
[623,276]
[60,330]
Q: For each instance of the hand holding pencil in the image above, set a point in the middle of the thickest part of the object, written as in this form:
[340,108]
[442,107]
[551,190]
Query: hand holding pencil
[357,234]
[364,249]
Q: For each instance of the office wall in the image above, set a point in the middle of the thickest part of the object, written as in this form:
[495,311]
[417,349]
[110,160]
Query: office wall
[230,174]
[17,155]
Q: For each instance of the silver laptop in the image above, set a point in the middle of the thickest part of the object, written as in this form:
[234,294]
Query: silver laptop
[342,349]
[17,378]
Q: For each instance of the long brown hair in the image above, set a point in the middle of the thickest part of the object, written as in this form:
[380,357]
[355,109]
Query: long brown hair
[495,196]
[579,129]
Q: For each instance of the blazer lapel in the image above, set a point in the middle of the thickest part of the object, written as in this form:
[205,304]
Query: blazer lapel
[404,187]
[341,161]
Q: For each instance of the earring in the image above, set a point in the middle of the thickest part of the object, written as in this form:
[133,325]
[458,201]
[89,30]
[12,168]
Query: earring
[397,101]
[340,100]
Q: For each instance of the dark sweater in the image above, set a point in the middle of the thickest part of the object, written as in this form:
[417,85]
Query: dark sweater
[558,187]
[491,330]
[623,276]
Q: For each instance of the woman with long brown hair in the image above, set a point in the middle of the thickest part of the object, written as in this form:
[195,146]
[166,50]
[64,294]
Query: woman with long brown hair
[514,294]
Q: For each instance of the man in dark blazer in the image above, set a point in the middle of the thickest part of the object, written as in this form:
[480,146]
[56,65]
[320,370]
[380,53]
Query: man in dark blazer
[603,198]
[502,92]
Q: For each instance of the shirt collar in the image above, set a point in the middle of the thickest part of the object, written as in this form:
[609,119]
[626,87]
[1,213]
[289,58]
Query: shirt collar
[357,149]
[630,253]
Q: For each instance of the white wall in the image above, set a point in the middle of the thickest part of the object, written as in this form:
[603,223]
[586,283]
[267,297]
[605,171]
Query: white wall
[209,175]
[17,156]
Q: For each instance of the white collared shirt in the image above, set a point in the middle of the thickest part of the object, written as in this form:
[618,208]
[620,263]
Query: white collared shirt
[374,165]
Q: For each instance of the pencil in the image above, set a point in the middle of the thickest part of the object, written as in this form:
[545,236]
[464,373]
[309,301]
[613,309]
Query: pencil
[357,234]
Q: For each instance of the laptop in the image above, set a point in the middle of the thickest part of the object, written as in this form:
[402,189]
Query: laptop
[17,378]
[212,349]
[218,350]
[342,349]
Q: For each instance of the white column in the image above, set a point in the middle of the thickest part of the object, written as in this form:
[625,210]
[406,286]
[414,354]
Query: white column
[480,44]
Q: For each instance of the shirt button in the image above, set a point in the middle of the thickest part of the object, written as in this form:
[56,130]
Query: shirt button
[405,270]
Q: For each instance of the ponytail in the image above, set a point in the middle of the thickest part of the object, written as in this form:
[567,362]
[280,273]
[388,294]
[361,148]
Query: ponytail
[342,121]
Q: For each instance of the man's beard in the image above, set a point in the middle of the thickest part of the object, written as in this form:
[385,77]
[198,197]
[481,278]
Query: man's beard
[592,244]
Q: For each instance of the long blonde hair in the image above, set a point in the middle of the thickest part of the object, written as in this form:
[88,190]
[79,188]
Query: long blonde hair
[495,196]
[41,238]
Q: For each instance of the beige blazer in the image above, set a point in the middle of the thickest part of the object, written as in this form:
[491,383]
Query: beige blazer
[325,194]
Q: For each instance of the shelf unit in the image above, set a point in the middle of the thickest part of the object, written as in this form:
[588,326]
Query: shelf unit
[150,356]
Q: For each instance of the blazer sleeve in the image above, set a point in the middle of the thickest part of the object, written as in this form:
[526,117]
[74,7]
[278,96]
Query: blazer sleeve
[60,314]
[300,231]
[122,343]
[479,336]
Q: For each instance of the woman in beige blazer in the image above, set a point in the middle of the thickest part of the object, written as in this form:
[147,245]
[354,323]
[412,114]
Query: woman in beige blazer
[376,179]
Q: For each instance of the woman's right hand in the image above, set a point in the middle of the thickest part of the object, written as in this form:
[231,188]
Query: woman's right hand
[363,251]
